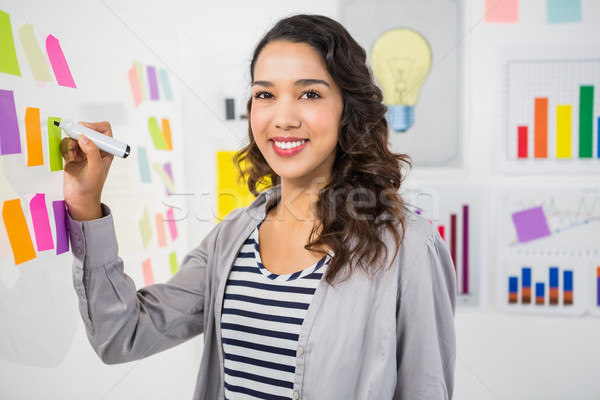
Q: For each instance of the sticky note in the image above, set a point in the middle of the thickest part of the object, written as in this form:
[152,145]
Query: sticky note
[34,54]
[18,231]
[503,11]
[161,235]
[147,272]
[33,129]
[231,193]
[41,222]
[145,228]
[169,172]
[155,133]
[134,83]
[151,71]
[59,63]
[60,223]
[164,176]
[8,55]
[560,11]
[10,140]
[531,224]
[143,165]
[172,224]
[54,138]
[166,131]
[173,263]
[165,84]
[140,75]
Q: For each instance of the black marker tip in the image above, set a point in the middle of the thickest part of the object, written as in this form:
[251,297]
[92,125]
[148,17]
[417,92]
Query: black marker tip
[56,123]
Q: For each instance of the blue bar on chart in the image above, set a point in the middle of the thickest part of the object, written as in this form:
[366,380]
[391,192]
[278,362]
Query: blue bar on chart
[553,286]
[540,295]
[513,289]
[568,288]
[526,285]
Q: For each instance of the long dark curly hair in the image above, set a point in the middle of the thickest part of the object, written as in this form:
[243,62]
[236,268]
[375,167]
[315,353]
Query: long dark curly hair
[361,200]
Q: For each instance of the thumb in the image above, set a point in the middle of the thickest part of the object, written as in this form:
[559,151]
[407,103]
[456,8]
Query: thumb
[90,149]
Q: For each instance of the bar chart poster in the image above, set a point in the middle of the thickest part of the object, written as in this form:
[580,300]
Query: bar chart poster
[456,212]
[551,115]
[548,247]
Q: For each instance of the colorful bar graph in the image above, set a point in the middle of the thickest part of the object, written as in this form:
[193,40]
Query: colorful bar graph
[586,121]
[522,141]
[563,131]
[553,287]
[540,131]
[568,288]
[526,285]
[540,295]
[513,289]
[465,250]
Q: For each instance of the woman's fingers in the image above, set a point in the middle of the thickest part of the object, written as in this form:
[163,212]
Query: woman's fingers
[68,149]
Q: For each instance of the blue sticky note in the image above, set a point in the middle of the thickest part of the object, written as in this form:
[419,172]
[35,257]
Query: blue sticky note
[164,82]
[531,224]
[563,11]
[143,165]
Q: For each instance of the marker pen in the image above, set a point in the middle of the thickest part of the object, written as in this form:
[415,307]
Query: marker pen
[104,142]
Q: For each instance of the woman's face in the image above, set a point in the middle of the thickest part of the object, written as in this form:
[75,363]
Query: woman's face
[296,112]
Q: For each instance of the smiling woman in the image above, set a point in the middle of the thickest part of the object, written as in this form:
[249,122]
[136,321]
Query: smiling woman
[326,286]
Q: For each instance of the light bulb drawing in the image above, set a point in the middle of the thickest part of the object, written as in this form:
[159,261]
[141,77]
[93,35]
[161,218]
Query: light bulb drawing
[401,59]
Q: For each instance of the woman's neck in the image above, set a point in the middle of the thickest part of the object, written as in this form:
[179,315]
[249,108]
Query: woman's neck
[296,203]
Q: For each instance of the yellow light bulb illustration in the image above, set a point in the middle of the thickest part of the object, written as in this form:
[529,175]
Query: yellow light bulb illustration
[400,59]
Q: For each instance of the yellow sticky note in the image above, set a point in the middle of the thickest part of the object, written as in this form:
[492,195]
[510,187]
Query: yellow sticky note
[164,176]
[34,54]
[18,231]
[173,263]
[231,193]
[145,228]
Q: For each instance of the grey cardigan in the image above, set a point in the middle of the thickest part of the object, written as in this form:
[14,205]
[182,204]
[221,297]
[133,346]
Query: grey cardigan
[388,336]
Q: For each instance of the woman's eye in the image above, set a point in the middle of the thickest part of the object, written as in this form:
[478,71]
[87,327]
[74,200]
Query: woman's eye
[263,95]
[311,94]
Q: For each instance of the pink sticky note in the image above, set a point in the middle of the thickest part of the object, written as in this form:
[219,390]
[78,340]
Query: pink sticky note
[152,82]
[160,231]
[59,63]
[134,82]
[172,224]
[41,223]
[62,232]
[506,11]
[147,271]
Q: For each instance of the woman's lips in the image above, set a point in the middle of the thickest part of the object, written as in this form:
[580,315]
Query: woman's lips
[288,146]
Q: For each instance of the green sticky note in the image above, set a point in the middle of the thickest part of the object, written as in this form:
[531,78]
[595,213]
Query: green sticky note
[173,263]
[54,138]
[157,137]
[8,55]
[145,228]
[34,54]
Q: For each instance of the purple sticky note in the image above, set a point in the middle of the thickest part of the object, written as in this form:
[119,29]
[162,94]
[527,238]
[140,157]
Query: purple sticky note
[531,224]
[170,173]
[153,83]
[10,140]
[62,233]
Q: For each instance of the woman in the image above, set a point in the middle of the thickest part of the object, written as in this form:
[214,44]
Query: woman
[325,287]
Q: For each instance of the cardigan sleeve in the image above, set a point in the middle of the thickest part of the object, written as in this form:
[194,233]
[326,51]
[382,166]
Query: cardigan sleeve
[125,324]
[426,343]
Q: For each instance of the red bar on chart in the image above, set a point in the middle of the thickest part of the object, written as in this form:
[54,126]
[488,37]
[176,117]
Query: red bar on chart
[441,231]
[522,142]
[540,130]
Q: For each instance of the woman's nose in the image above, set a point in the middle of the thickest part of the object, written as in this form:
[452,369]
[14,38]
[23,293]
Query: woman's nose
[286,115]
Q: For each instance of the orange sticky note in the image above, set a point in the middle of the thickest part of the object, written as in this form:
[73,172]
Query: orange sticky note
[166,131]
[18,232]
[33,129]
[147,272]
[160,231]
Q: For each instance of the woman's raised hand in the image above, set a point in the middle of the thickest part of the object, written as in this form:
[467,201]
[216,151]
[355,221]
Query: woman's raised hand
[86,170]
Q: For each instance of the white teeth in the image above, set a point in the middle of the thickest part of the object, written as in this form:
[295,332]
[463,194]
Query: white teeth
[289,145]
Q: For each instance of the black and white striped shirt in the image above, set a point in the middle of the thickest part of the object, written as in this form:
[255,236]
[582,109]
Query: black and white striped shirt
[260,325]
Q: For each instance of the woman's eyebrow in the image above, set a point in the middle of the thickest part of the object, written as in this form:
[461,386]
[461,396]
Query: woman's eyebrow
[299,82]
[262,83]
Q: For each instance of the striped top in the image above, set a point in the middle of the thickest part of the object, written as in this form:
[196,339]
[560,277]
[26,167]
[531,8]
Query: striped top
[260,325]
